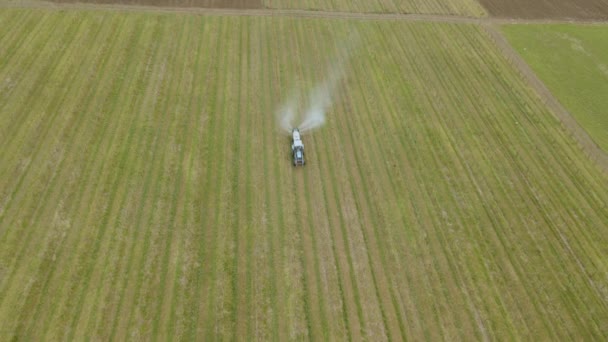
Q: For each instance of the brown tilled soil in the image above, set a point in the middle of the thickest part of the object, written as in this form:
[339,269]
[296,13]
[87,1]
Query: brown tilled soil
[177,3]
[547,9]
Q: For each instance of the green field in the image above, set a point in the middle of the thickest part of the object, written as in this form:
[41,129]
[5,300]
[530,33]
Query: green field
[460,7]
[146,192]
[572,60]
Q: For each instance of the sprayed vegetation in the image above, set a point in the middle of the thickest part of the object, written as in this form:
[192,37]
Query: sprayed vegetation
[146,193]
[320,97]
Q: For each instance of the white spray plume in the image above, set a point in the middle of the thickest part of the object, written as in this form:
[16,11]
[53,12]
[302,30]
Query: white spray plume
[320,97]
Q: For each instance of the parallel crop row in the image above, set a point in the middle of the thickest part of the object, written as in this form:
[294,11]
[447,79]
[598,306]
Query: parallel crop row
[145,190]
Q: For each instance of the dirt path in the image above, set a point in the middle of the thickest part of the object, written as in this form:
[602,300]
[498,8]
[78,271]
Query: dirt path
[489,23]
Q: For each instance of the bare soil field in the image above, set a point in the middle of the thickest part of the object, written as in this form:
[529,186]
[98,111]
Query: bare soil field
[547,9]
[243,4]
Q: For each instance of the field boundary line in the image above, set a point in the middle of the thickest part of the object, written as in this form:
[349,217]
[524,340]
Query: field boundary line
[293,13]
[593,151]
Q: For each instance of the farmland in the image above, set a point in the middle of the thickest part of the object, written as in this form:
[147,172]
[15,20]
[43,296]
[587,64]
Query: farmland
[146,192]
[573,61]
[469,8]
[460,7]
[538,9]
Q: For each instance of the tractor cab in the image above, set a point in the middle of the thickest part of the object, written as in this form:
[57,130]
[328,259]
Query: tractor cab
[297,148]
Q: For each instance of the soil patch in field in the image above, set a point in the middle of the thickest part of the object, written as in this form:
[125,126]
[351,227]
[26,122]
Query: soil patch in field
[244,4]
[547,9]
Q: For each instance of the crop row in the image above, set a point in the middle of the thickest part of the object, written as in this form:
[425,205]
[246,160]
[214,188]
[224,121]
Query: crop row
[145,190]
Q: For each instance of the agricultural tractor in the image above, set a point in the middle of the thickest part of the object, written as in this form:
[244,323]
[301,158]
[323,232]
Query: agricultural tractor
[297,148]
